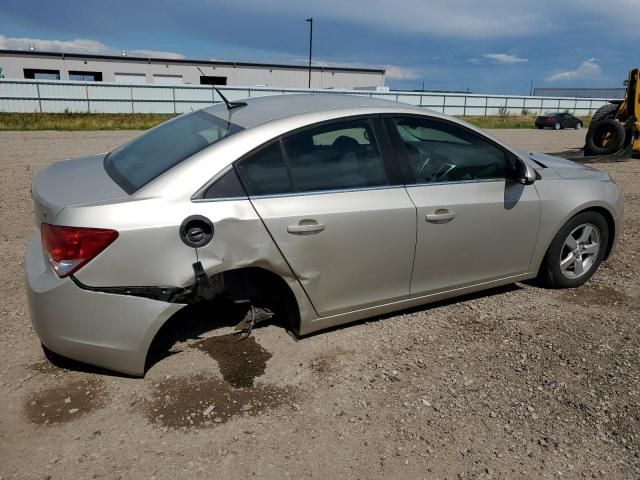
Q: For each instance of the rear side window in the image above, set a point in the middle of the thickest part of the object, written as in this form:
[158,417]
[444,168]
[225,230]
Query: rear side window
[226,187]
[265,172]
[138,162]
[442,152]
[337,156]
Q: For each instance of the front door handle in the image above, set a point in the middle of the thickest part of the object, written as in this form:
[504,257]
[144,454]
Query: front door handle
[305,228]
[440,216]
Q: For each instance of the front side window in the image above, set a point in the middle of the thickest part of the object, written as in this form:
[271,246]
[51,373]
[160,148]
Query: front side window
[443,152]
[337,156]
[136,163]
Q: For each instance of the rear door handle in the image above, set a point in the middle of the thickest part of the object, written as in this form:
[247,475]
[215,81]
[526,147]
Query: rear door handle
[305,228]
[440,216]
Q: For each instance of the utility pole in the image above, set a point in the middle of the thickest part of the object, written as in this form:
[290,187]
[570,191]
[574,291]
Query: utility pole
[310,20]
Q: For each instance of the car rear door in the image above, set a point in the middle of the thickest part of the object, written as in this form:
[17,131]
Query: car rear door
[332,199]
[474,225]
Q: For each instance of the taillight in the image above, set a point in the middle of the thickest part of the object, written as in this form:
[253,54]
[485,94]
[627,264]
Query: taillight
[69,248]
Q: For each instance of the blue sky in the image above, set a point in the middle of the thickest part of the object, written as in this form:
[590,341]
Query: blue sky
[488,46]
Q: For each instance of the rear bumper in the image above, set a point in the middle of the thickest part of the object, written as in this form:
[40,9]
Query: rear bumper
[110,331]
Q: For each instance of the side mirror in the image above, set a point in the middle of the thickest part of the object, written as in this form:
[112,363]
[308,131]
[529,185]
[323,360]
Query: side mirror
[526,174]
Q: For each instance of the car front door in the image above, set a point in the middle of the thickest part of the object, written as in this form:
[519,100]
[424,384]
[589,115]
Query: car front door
[475,225]
[332,199]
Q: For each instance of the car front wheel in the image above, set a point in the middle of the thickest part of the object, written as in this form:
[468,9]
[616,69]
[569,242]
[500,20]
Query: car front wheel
[556,126]
[578,125]
[576,251]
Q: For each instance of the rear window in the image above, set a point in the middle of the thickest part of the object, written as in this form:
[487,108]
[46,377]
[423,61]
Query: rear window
[146,157]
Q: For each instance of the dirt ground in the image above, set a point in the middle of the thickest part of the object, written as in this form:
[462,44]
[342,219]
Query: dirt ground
[519,382]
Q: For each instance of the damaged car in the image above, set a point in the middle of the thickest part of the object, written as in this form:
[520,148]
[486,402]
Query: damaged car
[319,209]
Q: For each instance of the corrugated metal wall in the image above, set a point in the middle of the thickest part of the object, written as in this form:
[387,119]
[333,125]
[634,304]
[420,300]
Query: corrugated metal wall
[98,97]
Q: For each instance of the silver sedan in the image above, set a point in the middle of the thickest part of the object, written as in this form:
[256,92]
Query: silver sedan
[316,209]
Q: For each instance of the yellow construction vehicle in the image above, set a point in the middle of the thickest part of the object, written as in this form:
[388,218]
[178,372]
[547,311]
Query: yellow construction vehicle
[614,132]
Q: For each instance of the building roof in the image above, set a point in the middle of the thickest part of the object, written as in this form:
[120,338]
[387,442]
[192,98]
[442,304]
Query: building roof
[260,110]
[151,60]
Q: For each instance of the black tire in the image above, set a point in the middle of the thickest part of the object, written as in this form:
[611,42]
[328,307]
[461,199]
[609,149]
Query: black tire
[578,126]
[604,137]
[606,111]
[550,274]
[539,127]
[556,126]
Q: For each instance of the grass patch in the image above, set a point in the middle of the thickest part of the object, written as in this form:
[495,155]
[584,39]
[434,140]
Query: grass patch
[80,121]
[509,121]
[143,121]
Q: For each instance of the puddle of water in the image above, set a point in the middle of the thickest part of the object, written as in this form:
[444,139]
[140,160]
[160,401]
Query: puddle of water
[241,360]
[594,294]
[66,402]
[200,401]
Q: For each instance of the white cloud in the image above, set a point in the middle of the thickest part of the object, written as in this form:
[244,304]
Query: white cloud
[393,72]
[453,18]
[80,45]
[446,18]
[155,54]
[400,73]
[588,69]
[504,58]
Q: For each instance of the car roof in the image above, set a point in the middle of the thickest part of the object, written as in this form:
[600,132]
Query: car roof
[260,110]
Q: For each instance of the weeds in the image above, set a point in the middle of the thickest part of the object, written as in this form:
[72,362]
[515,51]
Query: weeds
[71,121]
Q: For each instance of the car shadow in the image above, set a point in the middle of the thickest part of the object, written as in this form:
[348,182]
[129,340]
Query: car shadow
[192,321]
[58,362]
[189,323]
[424,308]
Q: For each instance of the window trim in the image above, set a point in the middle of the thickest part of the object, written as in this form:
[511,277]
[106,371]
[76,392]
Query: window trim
[383,144]
[403,157]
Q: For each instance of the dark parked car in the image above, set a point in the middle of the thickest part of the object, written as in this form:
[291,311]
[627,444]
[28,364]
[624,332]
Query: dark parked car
[558,120]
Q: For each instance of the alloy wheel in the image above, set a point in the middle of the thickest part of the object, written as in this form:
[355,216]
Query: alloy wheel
[580,251]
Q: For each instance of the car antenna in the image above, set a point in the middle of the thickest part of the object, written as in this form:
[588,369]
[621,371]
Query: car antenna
[230,105]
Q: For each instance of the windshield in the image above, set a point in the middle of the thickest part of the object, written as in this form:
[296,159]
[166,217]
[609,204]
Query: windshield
[147,156]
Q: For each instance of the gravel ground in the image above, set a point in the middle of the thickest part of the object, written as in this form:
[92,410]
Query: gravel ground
[518,382]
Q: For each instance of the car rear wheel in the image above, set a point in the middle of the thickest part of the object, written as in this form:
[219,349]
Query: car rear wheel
[556,126]
[539,127]
[576,251]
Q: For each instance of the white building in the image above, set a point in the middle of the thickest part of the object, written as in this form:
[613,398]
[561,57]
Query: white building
[124,69]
